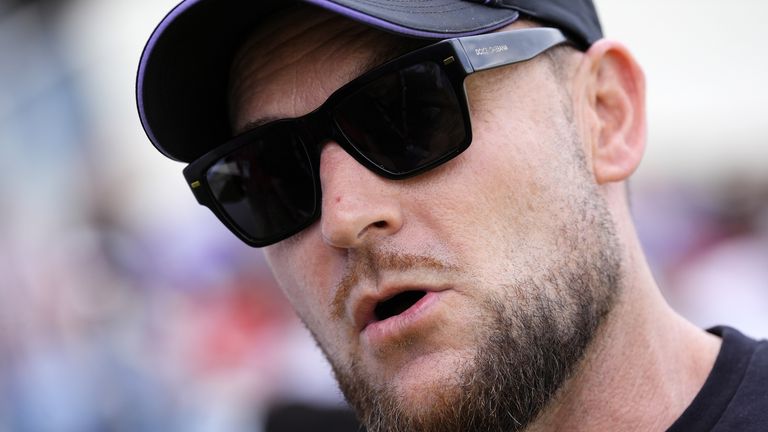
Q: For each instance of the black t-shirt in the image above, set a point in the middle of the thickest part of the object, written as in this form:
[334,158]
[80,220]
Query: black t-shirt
[735,394]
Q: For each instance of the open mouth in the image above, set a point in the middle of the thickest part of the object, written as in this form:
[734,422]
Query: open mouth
[397,304]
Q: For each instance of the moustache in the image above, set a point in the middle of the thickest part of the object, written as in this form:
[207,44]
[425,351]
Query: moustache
[368,264]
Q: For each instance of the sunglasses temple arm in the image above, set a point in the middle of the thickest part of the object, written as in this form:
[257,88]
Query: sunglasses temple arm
[493,50]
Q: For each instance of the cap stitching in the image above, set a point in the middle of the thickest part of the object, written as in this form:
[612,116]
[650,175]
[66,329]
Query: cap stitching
[409,8]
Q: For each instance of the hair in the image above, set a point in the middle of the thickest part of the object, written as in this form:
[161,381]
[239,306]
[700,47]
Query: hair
[560,59]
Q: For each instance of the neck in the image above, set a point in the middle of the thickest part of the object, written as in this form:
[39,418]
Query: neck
[644,367]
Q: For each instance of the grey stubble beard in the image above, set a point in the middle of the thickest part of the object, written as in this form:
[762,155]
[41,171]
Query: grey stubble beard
[534,341]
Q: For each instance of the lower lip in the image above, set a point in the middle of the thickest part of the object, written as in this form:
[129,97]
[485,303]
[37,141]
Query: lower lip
[380,332]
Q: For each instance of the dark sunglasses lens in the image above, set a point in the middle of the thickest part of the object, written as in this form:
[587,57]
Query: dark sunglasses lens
[404,120]
[266,187]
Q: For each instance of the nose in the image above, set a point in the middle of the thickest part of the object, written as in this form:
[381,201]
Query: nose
[358,205]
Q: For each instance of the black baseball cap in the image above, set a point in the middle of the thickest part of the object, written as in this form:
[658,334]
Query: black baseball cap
[183,75]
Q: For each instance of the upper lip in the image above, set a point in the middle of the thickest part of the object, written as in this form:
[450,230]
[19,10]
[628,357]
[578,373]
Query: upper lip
[364,304]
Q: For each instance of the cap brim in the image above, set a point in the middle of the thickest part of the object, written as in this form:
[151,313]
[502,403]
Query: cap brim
[183,75]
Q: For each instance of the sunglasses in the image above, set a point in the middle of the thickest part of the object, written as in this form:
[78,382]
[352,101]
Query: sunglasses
[398,120]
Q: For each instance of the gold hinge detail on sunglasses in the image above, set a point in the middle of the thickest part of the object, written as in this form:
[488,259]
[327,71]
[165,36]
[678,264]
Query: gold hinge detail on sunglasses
[449,60]
[195,184]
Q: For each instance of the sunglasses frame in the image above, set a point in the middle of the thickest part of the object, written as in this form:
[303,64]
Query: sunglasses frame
[458,58]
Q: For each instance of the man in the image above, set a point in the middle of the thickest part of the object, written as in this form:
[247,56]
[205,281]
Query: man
[453,225]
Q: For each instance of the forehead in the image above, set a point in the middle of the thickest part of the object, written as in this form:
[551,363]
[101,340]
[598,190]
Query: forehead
[291,64]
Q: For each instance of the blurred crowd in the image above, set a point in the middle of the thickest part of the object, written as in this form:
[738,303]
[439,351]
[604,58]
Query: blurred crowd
[124,306]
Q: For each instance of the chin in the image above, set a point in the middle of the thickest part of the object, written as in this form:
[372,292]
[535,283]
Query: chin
[429,380]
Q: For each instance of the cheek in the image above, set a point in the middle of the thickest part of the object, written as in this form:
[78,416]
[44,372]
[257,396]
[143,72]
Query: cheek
[507,194]
[304,277]
[281,266]
[504,176]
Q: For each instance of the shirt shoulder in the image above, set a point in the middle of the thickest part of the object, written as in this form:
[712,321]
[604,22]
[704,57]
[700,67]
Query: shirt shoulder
[734,396]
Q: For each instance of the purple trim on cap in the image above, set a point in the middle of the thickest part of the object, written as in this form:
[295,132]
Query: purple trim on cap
[389,26]
[149,48]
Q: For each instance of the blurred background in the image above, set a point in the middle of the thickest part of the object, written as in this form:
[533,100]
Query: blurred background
[126,307]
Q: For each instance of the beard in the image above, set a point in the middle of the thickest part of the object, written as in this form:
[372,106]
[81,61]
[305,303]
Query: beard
[533,337]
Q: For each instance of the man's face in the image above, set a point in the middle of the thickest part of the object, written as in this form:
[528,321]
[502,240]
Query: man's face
[471,289]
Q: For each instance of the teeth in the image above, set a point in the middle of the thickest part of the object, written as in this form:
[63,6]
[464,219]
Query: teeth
[397,304]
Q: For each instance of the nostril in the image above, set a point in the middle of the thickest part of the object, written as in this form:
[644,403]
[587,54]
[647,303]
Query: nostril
[380,224]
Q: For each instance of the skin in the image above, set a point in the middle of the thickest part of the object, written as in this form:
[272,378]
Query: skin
[509,208]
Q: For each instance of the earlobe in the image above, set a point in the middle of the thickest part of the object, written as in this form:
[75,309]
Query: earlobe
[617,99]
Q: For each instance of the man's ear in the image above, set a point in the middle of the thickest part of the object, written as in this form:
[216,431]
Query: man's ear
[615,92]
